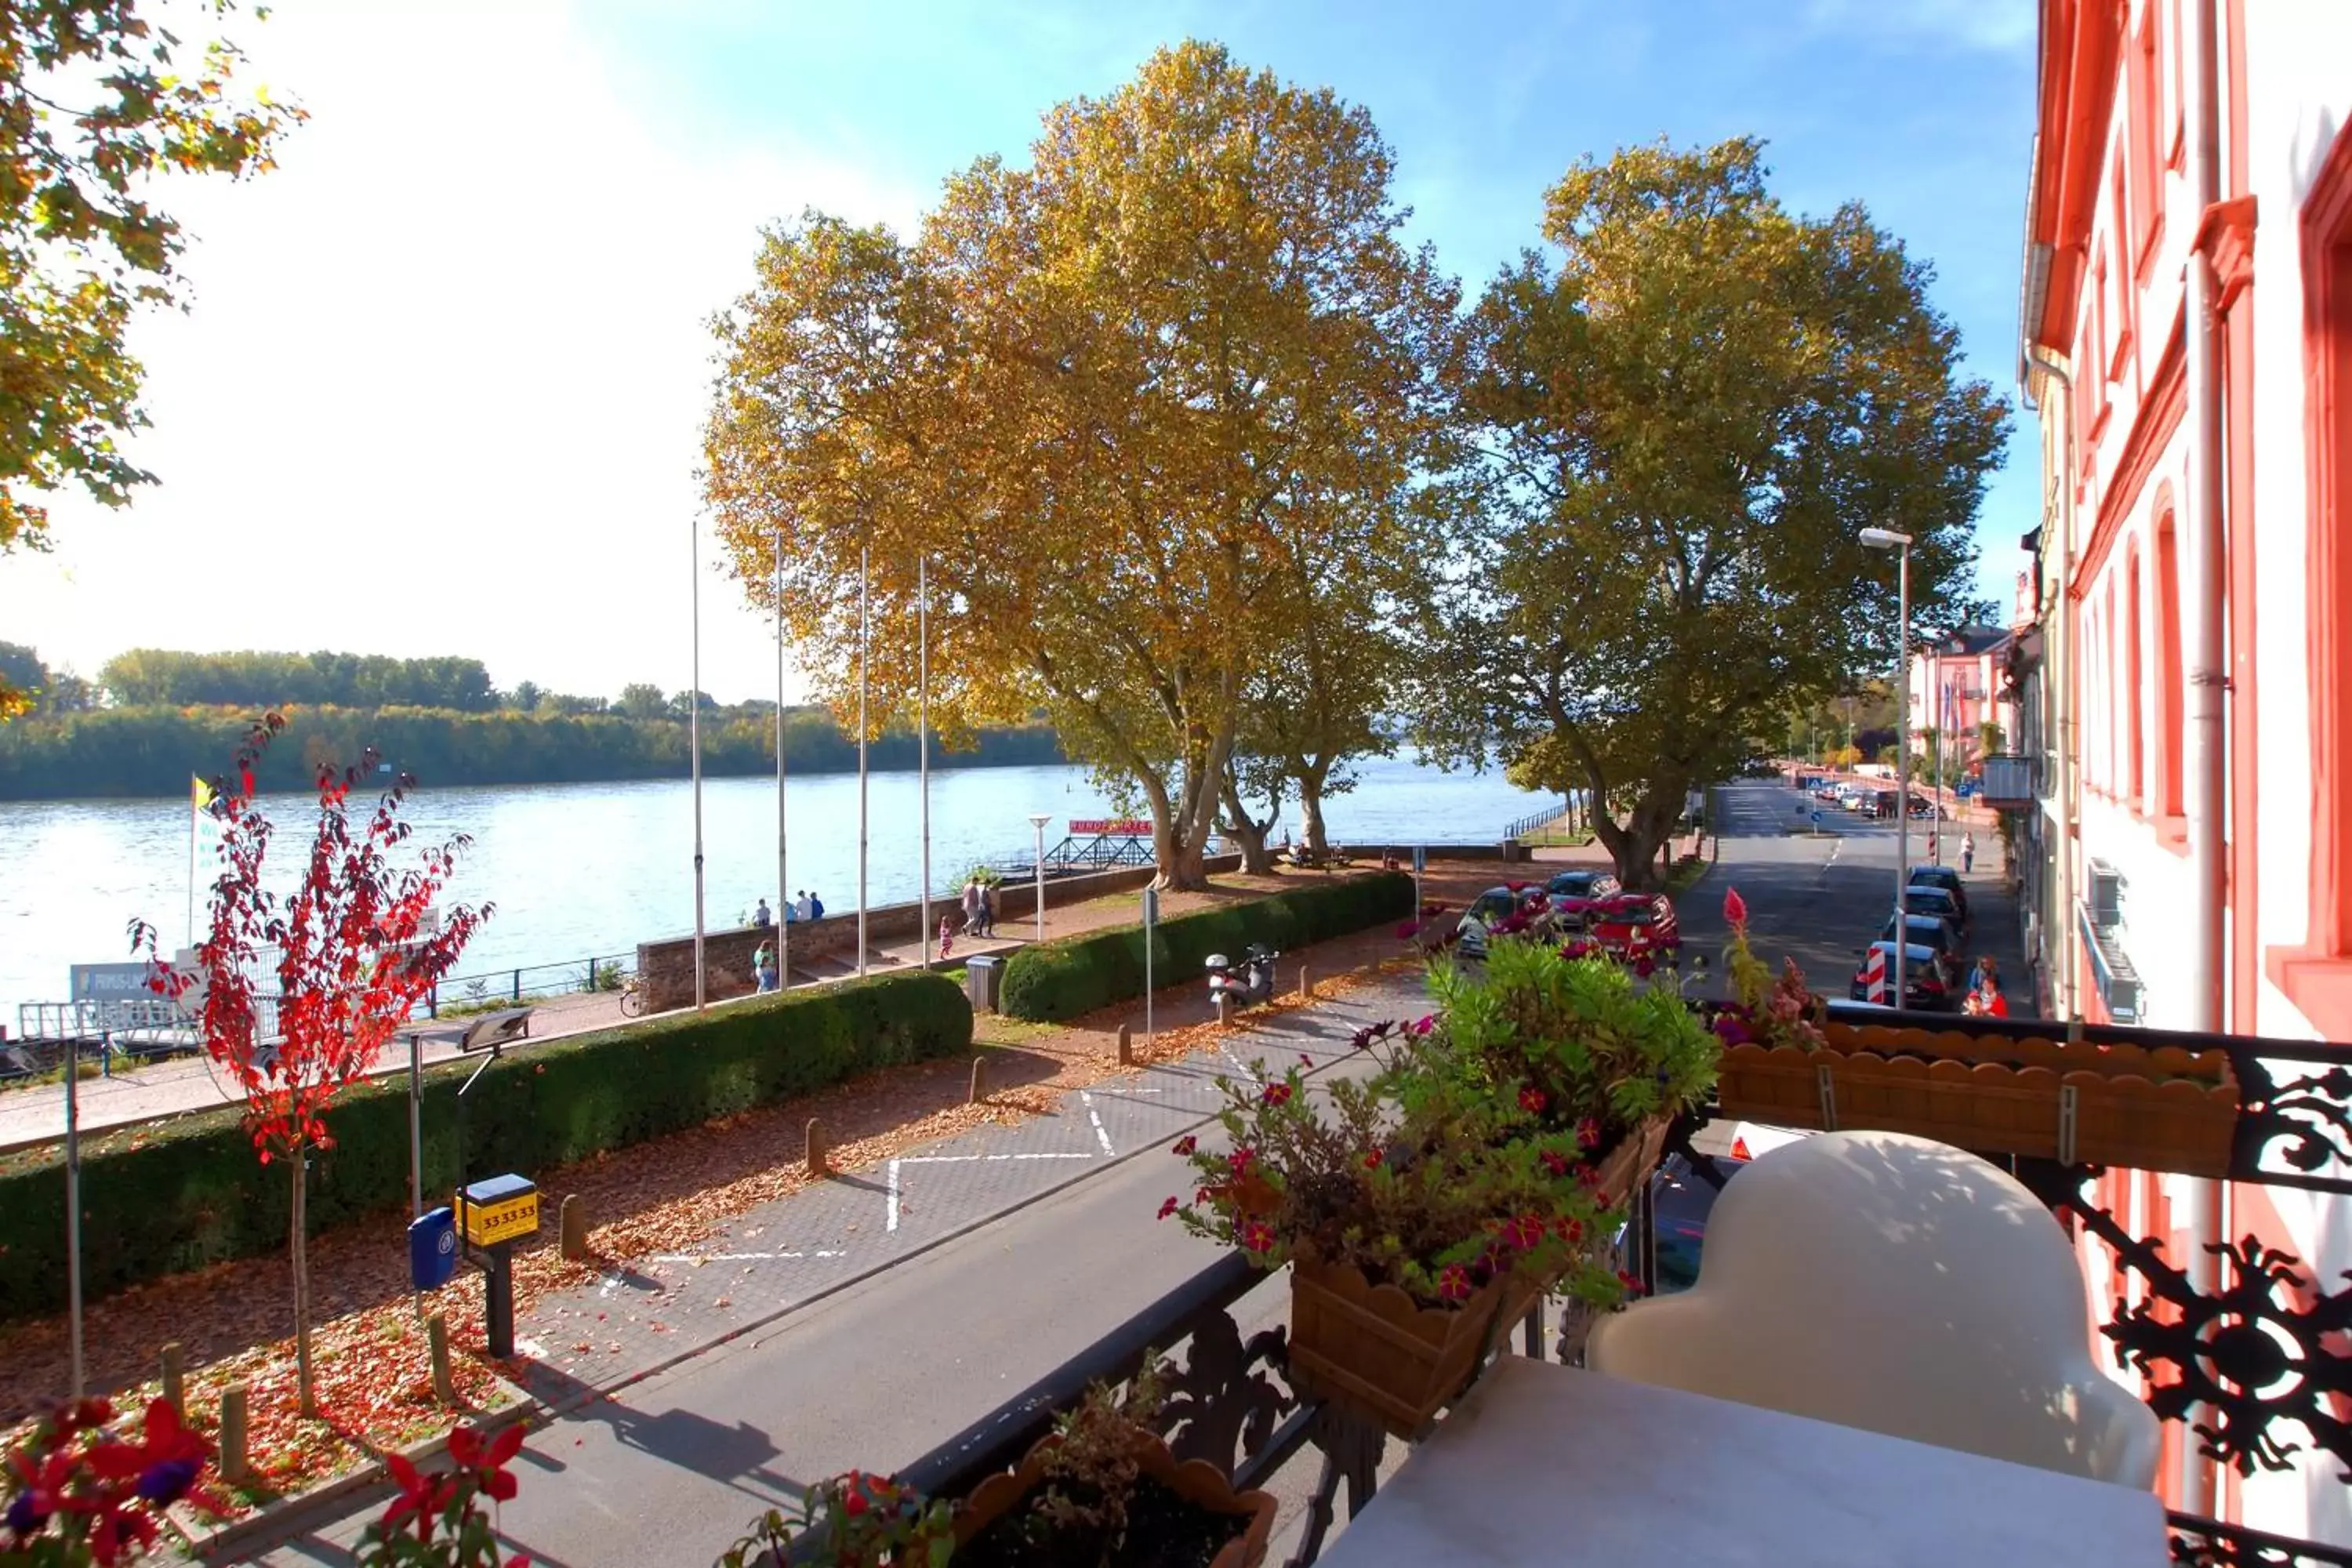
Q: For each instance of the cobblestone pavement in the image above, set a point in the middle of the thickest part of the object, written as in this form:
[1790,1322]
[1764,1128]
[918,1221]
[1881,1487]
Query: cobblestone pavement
[640,1318]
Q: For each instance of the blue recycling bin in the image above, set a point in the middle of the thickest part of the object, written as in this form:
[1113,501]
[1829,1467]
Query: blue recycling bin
[432,1248]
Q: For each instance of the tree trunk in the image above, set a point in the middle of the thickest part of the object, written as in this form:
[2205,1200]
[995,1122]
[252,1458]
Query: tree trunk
[1246,830]
[1310,811]
[305,1392]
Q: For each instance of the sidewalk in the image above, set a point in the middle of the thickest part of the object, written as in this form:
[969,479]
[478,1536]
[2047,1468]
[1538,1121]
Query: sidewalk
[37,1114]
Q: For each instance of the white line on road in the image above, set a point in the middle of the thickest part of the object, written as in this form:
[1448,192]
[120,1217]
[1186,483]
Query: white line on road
[891,1205]
[891,1190]
[736,1257]
[1092,1115]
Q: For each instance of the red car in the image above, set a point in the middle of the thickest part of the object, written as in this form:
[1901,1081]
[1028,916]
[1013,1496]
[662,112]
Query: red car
[1631,926]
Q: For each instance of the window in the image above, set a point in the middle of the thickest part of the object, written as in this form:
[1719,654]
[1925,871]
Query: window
[2147,223]
[2135,705]
[2171,675]
[2176,157]
[2116,329]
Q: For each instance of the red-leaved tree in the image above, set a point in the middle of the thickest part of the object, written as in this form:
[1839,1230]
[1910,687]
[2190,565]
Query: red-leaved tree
[349,959]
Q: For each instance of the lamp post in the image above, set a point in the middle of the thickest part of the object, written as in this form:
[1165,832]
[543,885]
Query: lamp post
[1037,820]
[784,886]
[1887,538]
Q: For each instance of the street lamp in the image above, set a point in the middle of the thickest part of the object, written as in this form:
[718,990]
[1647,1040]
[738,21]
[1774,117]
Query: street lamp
[1887,538]
[1037,820]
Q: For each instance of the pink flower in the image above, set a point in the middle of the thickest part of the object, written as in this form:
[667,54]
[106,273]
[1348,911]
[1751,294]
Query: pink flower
[1257,1236]
[1423,1024]
[1555,1161]
[1735,911]
[1588,1132]
[1454,1283]
[1185,1145]
[1276,1093]
[1532,1100]
[1170,1207]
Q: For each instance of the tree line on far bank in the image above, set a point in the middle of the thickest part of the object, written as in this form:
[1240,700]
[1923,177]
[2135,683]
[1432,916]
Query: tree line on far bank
[112,753]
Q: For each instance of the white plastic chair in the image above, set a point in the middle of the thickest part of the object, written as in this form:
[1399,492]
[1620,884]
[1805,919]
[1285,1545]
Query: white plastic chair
[1900,1285]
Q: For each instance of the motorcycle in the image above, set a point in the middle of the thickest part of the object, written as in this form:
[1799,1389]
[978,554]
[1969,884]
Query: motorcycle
[1246,982]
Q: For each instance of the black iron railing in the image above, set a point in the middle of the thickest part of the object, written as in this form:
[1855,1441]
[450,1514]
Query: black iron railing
[2261,1368]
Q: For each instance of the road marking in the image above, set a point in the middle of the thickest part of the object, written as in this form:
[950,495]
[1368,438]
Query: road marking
[890,1188]
[1230,1060]
[890,1206]
[736,1257]
[1092,1115]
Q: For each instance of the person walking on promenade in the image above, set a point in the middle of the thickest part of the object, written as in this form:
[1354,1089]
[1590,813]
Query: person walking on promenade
[947,937]
[764,967]
[972,900]
[762,916]
[1968,853]
[816,905]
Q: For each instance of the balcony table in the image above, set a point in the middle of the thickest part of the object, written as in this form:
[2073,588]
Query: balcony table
[1546,1464]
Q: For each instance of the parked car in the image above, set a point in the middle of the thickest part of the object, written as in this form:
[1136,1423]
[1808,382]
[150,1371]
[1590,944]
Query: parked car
[1680,1200]
[1933,932]
[1925,899]
[1573,892]
[1928,985]
[1922,807]
[1946,878]
[1635,925]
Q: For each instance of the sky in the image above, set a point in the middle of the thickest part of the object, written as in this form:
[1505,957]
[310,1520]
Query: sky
[441,384]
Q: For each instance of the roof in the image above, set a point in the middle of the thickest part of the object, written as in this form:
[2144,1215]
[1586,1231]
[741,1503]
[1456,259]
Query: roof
[1970,640]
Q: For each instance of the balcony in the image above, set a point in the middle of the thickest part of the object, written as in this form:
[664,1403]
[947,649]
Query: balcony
[2255,1369]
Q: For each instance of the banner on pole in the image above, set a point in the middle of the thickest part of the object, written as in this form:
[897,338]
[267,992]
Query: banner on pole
[1110,826]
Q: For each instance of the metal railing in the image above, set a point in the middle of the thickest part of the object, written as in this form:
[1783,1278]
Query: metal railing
[1538,819]
[508,986]
[1232,1403]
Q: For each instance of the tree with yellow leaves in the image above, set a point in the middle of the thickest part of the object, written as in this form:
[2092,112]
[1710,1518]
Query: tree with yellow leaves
[1113,399]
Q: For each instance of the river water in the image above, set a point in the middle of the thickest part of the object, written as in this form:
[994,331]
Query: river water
[592,869]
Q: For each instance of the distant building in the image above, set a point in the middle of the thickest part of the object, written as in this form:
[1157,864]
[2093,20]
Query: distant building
[2187,318]
[1959,684]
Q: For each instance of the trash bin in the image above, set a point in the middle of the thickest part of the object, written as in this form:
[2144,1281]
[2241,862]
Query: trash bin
[981,975]
[432,1248]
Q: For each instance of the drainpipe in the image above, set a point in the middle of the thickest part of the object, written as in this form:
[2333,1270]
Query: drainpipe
[2060,681]
[2202,739]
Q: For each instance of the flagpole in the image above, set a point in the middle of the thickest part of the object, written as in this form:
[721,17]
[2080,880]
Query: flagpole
[191,870]
[865,635]
[694,746]
[783,889]
[923,728]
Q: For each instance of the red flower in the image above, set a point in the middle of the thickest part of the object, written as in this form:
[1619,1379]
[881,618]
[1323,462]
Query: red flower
[1276,1093]
[1372,1160]
[1257,1236]
[1185,1145]
[1423,1024]
[1241,1159]
[1735,909]
[1305,1061]
[1525,1233]
[1170,1207]
[1208,1195]
[1588,1132]
[1555,1161]
[1572,1230]
[1645,966]
[421,1496]
[1600,1197]
[1632,1282]
[1532,1100]
[1454,1283]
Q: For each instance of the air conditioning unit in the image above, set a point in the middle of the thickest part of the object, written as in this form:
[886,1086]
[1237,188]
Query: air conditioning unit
[2105,894]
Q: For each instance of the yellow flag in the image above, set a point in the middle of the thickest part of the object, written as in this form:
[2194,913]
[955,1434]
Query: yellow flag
[200,793]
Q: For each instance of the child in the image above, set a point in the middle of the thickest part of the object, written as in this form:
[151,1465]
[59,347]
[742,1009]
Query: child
[764,967]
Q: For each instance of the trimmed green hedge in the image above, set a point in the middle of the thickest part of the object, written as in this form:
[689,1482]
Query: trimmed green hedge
[1057,979]
[158,1200]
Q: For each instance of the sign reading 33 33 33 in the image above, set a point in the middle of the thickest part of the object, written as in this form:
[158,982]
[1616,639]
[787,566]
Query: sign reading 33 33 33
[502,1208]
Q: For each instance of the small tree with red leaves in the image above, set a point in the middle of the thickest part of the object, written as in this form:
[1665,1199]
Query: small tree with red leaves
[351,960]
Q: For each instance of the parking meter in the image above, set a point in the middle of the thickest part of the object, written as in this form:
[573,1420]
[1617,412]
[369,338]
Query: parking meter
[493,1215]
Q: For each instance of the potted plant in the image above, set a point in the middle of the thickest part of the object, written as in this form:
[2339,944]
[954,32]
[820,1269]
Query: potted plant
[856,1520]
[1416,1225]
[2064,1096]
[76,1492]
[1103,1492]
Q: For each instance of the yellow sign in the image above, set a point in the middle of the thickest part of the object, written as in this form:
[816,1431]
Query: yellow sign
[501,1209]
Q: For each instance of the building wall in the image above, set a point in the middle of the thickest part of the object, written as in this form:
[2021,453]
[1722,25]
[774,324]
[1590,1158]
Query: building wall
[2116,143]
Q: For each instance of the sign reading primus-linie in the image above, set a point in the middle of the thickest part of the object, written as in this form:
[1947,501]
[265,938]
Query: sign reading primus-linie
[109,983]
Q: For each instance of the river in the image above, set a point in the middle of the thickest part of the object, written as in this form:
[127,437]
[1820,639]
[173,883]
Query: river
[592,869]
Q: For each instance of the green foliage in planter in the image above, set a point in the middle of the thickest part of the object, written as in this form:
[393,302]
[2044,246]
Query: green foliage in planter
[1050,982]
[157,1200]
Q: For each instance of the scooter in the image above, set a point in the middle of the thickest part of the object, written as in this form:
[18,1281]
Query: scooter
[1246,982]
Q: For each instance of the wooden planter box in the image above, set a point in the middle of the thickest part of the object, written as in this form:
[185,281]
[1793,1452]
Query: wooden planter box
[2165,1108]
[1626,1166]
[1377,1351]
[1196,1481]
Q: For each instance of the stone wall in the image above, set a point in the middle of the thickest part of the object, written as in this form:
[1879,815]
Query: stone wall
[666,967]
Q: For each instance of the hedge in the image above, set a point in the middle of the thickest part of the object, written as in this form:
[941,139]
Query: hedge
[1053,981]
[162,1198]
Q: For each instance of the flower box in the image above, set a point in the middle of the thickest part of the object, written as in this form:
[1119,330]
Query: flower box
[1621,1171]
[1377,1351]
[1195,1481]
[2135,1107]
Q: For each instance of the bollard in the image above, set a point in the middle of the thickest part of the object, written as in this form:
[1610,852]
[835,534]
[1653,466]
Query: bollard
[232,1466]
[979,1079]
[571,1221]
[175,1383]
[436,1340]
[817,1168]
[1126,1046]
[1224,1010]
[1305,985]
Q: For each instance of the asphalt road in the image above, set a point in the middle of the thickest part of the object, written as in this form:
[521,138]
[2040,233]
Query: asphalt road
[879,1373]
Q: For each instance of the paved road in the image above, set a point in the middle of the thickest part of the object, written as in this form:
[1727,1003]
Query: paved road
[878,1373]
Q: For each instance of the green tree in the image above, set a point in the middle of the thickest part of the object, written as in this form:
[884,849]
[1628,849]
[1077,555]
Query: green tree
[642,700]
[1689,409]
[22,677]
[95,100]
[1108,397]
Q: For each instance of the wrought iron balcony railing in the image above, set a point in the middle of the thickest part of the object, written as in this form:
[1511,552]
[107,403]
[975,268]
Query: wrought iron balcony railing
[2259,1370]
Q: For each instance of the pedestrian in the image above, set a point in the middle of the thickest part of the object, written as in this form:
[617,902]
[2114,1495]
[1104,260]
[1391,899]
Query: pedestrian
[972,898]
[801,910]
[1968,853]
[988,910]
[764,916]
[764,967]
[947,936]
[816,905]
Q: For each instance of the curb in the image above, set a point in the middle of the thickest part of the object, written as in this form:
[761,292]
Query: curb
[274,1526]
[270,1526]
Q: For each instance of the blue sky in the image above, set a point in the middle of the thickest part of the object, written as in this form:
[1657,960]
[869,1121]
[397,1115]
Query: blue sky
[454,348]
